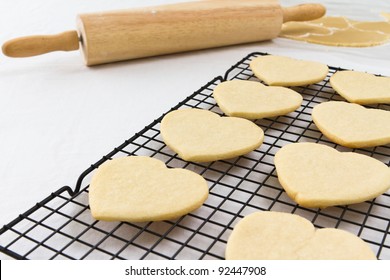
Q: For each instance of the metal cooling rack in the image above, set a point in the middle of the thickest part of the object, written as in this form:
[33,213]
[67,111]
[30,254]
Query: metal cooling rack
[61,226]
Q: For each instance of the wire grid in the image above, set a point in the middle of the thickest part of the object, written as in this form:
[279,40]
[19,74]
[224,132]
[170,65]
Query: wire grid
[61,226]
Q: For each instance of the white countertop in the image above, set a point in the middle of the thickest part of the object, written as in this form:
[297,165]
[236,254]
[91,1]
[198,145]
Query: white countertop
[58,116]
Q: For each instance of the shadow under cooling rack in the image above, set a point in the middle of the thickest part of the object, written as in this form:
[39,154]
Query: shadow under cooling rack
[61,226]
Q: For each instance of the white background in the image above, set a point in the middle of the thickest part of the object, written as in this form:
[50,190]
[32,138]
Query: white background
[58,116]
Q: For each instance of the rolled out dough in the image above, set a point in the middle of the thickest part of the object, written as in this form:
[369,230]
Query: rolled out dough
[338,31]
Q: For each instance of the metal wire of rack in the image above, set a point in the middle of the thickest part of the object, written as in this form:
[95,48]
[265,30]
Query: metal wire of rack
[61,226]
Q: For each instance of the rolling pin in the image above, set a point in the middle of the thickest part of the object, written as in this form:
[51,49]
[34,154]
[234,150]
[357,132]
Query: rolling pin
[128,34]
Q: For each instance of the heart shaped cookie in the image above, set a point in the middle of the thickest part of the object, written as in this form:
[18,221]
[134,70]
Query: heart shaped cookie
[282,236]
[140,189]
[361,88]
[201,135]
[284,71]
[352,125]
[315,175]
[253,100]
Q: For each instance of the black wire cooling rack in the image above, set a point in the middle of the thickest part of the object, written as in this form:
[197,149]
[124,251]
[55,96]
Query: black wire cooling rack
[61,226]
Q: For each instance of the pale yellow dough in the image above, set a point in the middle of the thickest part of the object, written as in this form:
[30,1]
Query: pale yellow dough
[352,125]
[202,136]
[315,175]
[253,100]
[283,236]
[338,31]
[386,16]
[285,71]
[141,189]
[361,88]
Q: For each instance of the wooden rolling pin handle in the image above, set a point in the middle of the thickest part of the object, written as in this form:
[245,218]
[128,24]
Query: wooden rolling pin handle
[303,12]
[41,44]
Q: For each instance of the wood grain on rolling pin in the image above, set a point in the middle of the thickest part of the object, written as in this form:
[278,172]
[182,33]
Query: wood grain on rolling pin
[121,35]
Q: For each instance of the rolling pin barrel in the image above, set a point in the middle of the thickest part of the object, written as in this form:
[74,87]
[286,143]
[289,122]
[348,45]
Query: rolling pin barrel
[122,35]
[176,28]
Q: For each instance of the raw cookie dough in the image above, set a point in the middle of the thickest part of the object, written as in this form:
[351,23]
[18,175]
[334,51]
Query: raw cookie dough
[282,236]
[386,16]
[338,31]
[284,71]
[201,135]
[315,175]
[141,189]
[253,100]
[361,88]
[352,125]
